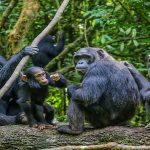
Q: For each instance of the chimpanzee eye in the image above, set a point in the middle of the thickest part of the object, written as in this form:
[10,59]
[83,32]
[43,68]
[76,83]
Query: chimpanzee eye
[86,57]
[43,73]
[76,59]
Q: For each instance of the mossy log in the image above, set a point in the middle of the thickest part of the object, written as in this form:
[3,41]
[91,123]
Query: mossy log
[23,137]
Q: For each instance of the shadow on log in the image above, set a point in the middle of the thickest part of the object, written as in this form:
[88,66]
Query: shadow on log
[22,137]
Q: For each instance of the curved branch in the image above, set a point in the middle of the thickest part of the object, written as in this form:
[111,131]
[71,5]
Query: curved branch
[34,43]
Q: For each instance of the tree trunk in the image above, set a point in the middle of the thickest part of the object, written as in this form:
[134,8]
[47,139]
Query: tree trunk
[21,28]
[22,137]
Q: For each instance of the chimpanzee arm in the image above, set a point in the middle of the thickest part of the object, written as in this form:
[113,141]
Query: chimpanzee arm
[23,101]
[10,66]
[62,82]
[60,45]
[90,90]
[23,93]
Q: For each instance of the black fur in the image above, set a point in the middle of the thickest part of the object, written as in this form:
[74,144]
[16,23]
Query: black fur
[48,50]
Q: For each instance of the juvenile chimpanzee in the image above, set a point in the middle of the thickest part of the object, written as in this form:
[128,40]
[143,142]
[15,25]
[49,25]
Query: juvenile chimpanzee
[8,108]
[48,50]
[107,95]
[35,88]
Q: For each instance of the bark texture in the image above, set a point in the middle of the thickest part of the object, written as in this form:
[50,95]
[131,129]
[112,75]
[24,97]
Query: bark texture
[22,137]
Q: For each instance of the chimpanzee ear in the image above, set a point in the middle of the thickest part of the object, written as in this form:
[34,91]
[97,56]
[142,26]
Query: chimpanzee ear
[24,78]
[101,53]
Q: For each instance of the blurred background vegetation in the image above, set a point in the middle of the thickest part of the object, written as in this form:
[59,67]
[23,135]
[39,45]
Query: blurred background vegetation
[122,27]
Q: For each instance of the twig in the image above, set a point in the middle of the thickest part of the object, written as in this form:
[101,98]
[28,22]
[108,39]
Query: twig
[108,146]
[34,43]
[85,33]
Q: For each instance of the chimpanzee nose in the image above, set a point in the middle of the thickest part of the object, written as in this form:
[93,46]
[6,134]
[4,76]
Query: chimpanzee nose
[81,62]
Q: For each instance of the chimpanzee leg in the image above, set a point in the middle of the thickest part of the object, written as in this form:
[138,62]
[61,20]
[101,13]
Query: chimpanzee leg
[39,113]
[3,106]
[49,113]
[7,120]
[76,116]
[76,119]
[4,119]
[28,111]
[147,106]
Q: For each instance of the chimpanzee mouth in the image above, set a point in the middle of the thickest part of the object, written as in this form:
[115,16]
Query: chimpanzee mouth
[44,82]
[82,70]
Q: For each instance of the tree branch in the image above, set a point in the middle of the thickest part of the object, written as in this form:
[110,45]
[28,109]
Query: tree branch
[66,69]
[34,43]
[7,13]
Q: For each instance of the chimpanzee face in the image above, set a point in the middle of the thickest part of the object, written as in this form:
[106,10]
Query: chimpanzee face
[85,57]
[40,77]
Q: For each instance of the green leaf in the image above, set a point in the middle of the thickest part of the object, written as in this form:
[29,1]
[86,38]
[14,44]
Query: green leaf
[122,46]
[110,47]
[128,31]
[93,23]
[135,43]
[103,40]
[134,33]
[129,42]
[121,30]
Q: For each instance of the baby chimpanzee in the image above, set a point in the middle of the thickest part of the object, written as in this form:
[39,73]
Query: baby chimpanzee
[32,93]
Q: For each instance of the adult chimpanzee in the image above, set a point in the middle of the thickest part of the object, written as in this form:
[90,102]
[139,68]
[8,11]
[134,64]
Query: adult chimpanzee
[48,50]
[35,88]
[8,108]
[108,94]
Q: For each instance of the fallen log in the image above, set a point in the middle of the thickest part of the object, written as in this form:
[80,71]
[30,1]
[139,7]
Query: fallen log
[22,137]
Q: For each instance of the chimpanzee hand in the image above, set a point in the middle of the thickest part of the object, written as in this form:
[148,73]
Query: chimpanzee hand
[29,50]
[55,77]
[71,89]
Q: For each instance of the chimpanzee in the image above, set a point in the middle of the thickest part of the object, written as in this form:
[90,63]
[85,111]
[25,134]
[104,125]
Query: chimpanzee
[107,95]
[9,110]
[34,87]
[48,50]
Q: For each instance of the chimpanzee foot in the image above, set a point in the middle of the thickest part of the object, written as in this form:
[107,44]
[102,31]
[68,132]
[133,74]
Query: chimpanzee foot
[147,127]
[21,118]
[34,125]
[50,126]
[41,126]
[67,130]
